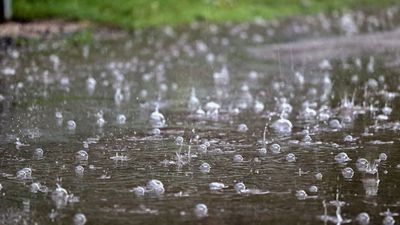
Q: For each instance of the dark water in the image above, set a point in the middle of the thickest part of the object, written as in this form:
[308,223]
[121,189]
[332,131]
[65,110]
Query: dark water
[160,67]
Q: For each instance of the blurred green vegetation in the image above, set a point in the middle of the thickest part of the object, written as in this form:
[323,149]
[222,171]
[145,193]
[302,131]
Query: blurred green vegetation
[145,13]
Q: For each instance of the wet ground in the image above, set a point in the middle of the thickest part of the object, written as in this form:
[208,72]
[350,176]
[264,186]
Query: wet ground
[314,139]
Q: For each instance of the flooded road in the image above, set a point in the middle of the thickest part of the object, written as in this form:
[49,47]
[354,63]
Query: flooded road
[184,126]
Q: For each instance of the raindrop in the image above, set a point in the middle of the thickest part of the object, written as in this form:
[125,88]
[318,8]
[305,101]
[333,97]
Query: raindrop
[179,140]
[82,155]
[313,189]
[282,126]
[301,195]
[79,170]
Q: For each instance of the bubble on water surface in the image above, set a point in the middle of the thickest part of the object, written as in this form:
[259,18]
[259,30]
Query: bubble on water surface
[348,172]
[275,148]
[290,157]
[363,218]
[342,157]
[205,167]
[79,219]
[201,210]
[282,126]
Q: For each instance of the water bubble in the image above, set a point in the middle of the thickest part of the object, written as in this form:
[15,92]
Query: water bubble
[313,189]
[290,157]
[71,125]
[388,220]
[282,126]
[82,155]
[25,173]
[202,148]
[342,157]
[121,119]
[79,170]
[348,172]
[79,219]
[216,186]
[155,186]
[383,156]
[349,138]
[139,191]
[157,119]
[237,158]
[240,187]
[242,128]
[335,124]
[362,164]
[201,210]
[301,194]
[318,176]
[275,148]
[262,151]
[363,218]
[38,153]
[179,140]
[205,167]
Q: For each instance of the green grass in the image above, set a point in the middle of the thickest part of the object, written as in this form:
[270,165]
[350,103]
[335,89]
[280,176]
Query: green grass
[145,13]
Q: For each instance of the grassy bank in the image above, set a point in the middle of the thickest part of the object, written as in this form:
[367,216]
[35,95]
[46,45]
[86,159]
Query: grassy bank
[144,13]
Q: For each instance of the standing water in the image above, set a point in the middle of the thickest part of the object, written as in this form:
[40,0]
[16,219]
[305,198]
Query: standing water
[185,125]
